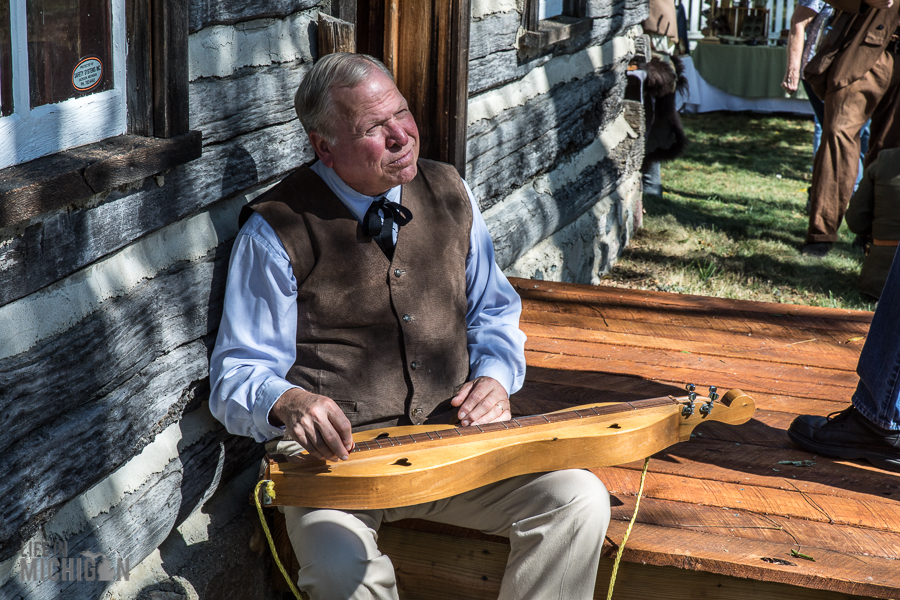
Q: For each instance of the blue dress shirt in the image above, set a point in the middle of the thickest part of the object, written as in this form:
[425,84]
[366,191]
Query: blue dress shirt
[257,337]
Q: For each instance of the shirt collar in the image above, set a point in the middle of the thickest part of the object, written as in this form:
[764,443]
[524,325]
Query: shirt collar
[355,202]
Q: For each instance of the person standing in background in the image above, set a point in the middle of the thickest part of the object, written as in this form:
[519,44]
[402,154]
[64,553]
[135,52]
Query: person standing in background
[808,24]
[874,215]
[856,75]
[665,138]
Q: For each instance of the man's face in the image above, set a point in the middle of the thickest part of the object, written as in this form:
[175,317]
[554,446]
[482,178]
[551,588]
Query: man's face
[376,141]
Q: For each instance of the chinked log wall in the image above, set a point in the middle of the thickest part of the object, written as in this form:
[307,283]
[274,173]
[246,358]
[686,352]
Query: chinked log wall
[550,137]
[108,307]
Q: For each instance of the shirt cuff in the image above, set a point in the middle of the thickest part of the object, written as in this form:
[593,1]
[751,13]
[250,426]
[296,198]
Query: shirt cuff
[495,369]
[266,398]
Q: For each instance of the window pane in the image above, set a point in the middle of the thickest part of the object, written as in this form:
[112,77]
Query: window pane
[68,49]
[6,95]
[550,8]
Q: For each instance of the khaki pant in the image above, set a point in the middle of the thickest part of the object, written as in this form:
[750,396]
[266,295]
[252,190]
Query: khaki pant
[555,522]
[877,96]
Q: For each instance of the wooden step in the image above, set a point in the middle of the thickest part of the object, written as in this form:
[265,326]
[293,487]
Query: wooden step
[705,342]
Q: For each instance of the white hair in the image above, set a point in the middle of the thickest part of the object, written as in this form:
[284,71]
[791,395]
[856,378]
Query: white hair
[313,100]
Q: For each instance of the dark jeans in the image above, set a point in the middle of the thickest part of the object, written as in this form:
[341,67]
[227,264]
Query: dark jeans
[877,396]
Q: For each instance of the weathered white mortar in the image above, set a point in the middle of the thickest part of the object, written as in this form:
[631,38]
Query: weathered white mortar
[483,8]
[568,171]
[74,517]
[560,69]
[64,304]
[220,50]
[581,251]
[223,524]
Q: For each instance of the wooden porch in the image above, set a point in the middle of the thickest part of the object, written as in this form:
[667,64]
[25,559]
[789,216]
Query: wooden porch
[722,512]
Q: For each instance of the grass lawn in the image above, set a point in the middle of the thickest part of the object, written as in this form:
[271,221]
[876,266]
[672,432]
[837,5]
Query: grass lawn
[733,218]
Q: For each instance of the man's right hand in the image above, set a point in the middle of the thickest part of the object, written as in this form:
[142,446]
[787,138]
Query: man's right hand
[791,81]
[315,422]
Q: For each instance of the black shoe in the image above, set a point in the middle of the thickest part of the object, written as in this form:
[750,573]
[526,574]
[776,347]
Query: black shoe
[847,434]
[816,249]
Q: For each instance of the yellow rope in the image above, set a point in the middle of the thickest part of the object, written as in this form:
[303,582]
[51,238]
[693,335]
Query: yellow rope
[612,581]
[270,490]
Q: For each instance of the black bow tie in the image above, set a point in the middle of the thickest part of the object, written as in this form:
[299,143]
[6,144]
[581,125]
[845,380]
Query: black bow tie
[382,228]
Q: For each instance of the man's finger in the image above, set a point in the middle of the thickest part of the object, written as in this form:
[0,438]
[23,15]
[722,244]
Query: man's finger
[326,430]
[329,442]
[299,435]
[484,396]
[498,412]
[344,434]
[462,393]
[479,390]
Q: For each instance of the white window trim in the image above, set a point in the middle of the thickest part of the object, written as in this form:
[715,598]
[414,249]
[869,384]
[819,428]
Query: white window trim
[28,134]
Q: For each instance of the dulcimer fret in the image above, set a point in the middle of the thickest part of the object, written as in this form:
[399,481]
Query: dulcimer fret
[517,423]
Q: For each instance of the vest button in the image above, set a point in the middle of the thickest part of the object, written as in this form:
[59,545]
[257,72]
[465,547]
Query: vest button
[407,318]
[398,272]
[413,365]
[416,411]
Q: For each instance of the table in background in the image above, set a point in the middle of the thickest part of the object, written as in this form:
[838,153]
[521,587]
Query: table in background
[740,78]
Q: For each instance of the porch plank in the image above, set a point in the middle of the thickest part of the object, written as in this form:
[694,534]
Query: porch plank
[707,342]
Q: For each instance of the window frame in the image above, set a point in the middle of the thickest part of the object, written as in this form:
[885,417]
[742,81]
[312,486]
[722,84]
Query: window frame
[74,122]
[5,62]
[156,136]
[540,34]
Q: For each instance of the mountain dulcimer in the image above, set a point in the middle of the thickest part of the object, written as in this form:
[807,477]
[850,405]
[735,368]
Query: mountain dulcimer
[400,466]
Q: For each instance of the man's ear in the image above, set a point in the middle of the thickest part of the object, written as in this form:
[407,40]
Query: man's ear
[322,148]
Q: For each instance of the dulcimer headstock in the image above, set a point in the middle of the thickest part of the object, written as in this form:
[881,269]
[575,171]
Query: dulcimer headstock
[734,408]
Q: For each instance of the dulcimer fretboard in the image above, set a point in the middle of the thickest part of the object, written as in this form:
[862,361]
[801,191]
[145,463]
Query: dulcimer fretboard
[517,423]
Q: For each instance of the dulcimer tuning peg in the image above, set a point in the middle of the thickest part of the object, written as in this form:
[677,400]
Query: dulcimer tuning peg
[692,395]
[708,406]
[688,409]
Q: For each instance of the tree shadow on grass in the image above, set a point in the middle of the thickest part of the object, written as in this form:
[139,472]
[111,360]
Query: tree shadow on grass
[737,228]
[767,146]
[816,277]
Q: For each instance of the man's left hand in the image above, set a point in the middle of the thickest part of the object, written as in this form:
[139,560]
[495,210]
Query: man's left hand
[482,400]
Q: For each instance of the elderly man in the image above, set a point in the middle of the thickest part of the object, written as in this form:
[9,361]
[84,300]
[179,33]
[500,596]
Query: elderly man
[362,292]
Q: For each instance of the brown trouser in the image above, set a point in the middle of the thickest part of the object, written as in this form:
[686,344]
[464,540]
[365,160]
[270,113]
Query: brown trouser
[555,522]
[877,96]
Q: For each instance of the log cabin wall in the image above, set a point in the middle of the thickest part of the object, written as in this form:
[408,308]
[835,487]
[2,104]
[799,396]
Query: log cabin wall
[109,306]
[553,150]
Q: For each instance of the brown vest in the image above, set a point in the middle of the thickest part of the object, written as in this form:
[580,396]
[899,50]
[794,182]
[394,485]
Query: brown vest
[385,340]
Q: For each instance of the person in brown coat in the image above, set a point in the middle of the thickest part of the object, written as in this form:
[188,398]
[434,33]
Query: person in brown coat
[857,75]
[874,214]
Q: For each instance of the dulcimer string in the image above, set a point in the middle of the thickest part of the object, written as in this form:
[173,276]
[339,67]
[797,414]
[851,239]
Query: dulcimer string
[513,424]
